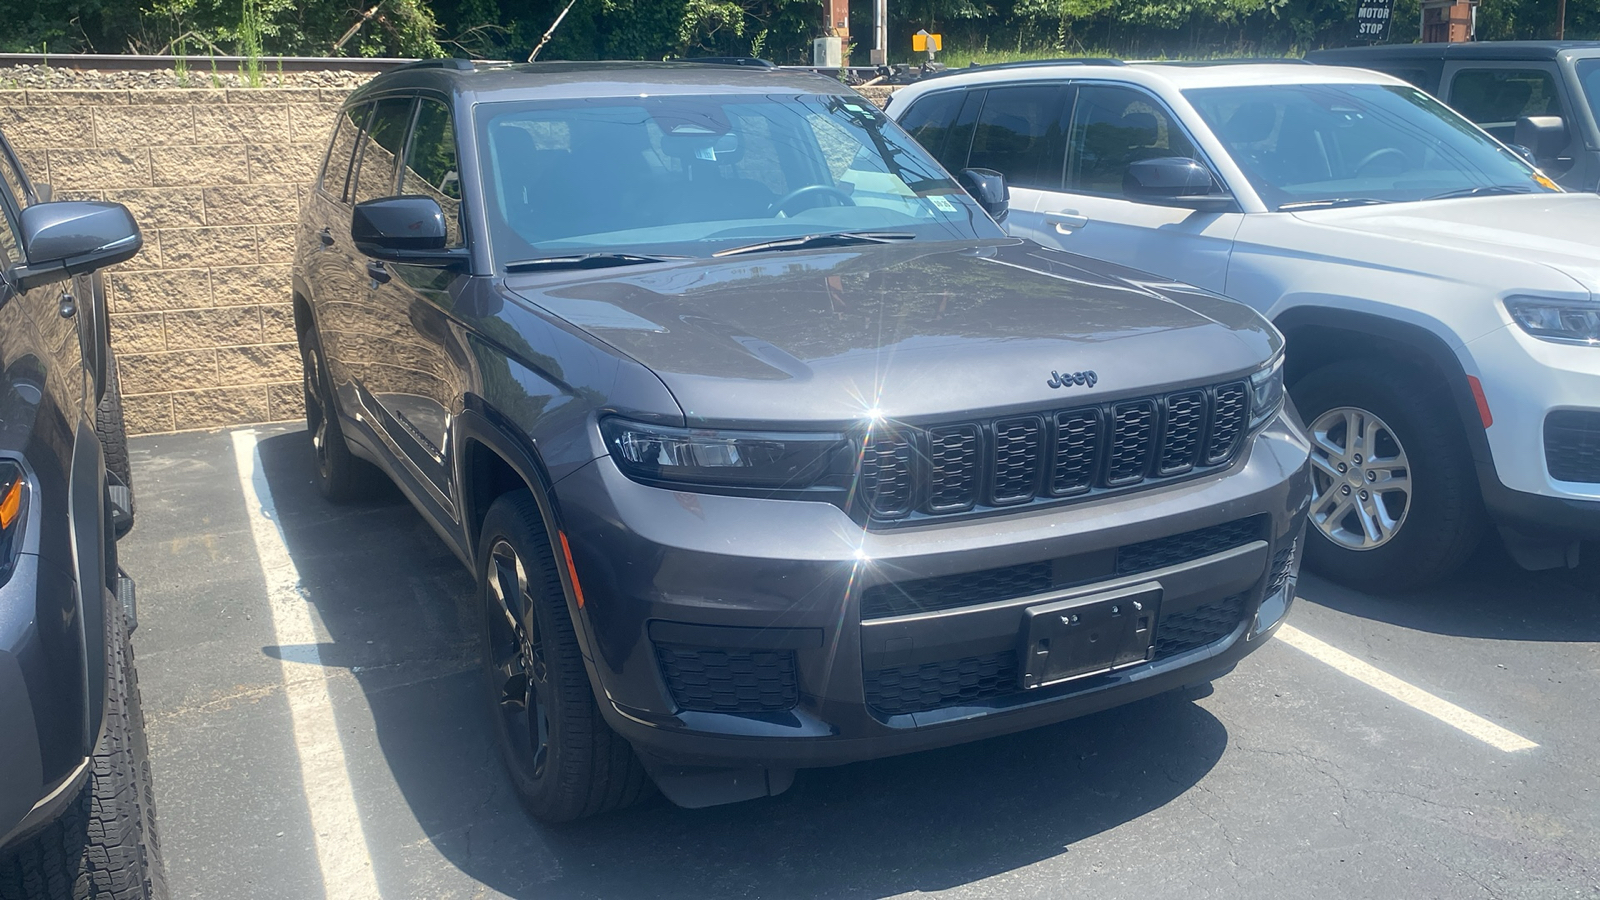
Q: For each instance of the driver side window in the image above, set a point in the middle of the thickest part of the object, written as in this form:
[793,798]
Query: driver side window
[1112,128]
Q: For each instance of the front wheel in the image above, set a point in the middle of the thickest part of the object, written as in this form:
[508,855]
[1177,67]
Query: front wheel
[1395,501]
[103,846]
[565,761]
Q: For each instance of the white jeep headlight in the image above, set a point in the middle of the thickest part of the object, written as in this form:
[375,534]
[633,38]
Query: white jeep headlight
[1564,321]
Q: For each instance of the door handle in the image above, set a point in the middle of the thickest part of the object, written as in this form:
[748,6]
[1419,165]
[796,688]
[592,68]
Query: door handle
[377,272]
[1066,220]
[326,237]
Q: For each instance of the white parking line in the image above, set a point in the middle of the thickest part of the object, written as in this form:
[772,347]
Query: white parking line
[1409,694]
[341,845]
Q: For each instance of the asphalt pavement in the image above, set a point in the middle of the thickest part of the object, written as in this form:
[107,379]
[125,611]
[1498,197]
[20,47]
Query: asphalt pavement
[1293,778]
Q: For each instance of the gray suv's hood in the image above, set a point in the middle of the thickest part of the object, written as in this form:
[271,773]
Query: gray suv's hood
[915,331]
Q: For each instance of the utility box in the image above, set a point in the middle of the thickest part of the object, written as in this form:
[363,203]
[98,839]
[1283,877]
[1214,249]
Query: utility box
[827,53]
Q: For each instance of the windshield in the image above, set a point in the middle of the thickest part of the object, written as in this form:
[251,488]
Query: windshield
[1348,143]
[690,176]
[1589,77]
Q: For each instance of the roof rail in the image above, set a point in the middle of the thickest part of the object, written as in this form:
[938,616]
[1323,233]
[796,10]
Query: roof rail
[1029,63]
[1241,61]
[442,62]
[749,61]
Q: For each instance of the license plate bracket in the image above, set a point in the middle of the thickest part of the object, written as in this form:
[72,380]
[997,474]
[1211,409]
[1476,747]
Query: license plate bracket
[1091,635]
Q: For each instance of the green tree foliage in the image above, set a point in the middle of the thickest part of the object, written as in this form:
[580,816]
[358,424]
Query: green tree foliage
[775,29]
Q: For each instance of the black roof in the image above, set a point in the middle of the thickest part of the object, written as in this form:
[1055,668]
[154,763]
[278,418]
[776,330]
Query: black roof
[1502,50]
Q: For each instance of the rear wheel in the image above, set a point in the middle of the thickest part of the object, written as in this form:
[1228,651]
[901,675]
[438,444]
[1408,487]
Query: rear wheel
[339,475]
[113,433]
[104,846]
[1395,501]
[565,761]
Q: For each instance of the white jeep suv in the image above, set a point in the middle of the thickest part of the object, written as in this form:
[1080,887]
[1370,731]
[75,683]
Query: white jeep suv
[1438,293]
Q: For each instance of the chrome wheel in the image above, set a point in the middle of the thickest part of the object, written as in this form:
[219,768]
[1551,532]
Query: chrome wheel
[516,659]
[1360,479]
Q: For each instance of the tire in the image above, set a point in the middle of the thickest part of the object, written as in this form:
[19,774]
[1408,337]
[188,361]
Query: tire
[340,476]
[1411,418]
[104,846]
[565,762]
[109,425]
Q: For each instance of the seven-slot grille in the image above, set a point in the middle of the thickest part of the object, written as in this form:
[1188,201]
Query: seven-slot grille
[1005,462]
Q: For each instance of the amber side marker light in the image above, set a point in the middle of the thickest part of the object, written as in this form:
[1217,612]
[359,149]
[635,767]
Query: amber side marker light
[572,570]
[11,505]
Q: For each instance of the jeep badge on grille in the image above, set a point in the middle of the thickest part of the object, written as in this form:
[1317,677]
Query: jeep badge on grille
[1086,379]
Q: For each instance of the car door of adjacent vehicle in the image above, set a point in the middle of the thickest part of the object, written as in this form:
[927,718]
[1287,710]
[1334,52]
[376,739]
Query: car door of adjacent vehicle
[1015,130]
[1496,94]
[1111,127]
[420,382]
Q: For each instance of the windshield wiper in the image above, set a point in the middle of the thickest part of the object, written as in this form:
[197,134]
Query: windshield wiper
[1330,204]
[1488,190]
[586,261]
[830,239]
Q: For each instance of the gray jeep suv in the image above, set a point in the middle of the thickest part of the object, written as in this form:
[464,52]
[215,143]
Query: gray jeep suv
[769,449]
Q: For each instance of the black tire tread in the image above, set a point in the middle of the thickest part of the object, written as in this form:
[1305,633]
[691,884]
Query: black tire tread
[598,770]
[105,845]
[1446,521]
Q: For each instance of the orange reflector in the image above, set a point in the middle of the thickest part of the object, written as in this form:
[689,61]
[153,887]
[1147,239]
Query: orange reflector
[1483,402]
[11,504]
[572,571]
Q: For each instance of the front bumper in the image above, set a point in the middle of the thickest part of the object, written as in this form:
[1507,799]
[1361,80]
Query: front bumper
[1524,380]
[681,589]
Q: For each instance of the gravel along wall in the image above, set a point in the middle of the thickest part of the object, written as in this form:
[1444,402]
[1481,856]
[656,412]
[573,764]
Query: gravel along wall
[201,319]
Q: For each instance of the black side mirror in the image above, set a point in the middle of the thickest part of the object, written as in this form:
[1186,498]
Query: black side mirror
[1544,136]
[408,229]
[70,237]
[988,187]
[1174,181]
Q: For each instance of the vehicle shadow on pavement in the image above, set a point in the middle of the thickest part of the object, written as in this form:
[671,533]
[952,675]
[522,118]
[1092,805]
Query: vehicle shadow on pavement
[1491,597]
[400,612]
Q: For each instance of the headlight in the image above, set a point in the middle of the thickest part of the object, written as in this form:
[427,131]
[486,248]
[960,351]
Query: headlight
[778,460]
[1266,391]
[13,488]
[1555,320]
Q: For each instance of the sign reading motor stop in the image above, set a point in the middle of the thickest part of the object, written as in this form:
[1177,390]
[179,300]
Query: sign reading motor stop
[1372,20]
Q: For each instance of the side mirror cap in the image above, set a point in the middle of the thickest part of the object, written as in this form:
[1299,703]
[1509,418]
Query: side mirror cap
[401,229]
[1175,181]
[1545,136]
[988,187]
[69,237]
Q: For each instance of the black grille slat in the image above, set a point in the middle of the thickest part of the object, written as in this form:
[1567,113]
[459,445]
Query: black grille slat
[952,468]
[951,591]
[1572,445]
[908,689]
[886,476]
[1077,452]
[1018,459]
[1147,556]
[1230,409]
[1205,624]
[1132,428]
[1182,428]
[709,679]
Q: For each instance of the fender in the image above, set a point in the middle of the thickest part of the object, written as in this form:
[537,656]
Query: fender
[481,424]
[86,513]
[1406,340]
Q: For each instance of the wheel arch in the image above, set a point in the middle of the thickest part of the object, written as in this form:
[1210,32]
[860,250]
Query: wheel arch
[1317,336]
[493,459]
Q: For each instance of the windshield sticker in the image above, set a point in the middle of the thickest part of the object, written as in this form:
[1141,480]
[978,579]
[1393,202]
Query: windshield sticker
[942,203]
